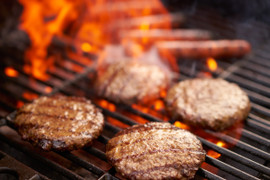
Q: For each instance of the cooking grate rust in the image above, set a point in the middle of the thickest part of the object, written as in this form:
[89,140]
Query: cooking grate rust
[248,157]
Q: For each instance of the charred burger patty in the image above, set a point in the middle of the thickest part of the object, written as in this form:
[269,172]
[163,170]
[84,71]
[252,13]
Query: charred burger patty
[155,151]
[59,122]
[209,103]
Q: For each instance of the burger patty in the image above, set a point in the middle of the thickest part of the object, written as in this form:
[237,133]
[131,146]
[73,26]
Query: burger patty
[59,122]
[209,103]
[155,151]
[131,82]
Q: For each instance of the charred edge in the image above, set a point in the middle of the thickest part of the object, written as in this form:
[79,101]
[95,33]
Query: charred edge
[157,151]
[48,144]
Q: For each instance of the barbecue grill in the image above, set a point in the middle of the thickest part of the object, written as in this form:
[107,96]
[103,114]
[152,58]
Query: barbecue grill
[246,154]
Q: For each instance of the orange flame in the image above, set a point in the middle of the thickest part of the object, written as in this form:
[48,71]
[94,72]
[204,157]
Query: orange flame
[89,25]
[19,104]
[181,125]
[215,154]
[42,20]
[29,96]
[48,89]
[212,64]
[11,72]
[86,47]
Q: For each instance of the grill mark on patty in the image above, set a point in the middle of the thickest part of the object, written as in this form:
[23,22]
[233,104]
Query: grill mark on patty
[40,126]
[166,166]
[112,146]
[142,128]
[54,116]
[151,152]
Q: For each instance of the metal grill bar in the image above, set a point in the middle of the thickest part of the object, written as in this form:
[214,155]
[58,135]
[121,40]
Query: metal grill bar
[242,145]
[65,172]
[230,169]
[237,157]
[92,168]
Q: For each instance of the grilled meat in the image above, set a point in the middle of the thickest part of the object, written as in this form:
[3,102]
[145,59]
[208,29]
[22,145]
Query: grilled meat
[131,81]
[209,103]
[155,151]
[59,122]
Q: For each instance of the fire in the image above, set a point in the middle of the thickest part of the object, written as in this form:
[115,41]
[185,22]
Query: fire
[212,64]
[181,125]
[42,20]
[215,154]
[29,96]
[110,106]
[105,104]
[86,47]
[48,89]
[11,72]
[159,105]
[89,26]
[19,104]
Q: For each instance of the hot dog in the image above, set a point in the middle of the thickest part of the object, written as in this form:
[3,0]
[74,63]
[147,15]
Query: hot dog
[204,49]
[166,34]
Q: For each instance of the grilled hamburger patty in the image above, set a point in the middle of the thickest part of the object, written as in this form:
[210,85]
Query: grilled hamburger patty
[209,103]
[155,151]
[59,122]
[131,81]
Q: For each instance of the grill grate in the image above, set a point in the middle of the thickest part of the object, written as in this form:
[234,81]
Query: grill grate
[248,158]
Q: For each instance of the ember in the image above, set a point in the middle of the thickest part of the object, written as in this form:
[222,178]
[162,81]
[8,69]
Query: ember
[11,72]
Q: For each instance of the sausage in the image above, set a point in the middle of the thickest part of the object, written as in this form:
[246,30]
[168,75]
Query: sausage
[166,35]
[204,49]
[150,22]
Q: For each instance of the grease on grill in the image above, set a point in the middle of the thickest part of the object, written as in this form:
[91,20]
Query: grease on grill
[155,151]
[59,122]
[209,103]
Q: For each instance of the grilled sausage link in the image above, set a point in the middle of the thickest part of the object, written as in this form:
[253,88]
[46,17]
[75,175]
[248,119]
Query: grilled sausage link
[204,49]
[168,35]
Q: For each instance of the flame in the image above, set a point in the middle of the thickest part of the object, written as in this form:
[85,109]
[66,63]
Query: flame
[90,26]
[29,96]
[48,89]
[86,47]
[11,72]
[110,106]
[159,105]
[19,104]
[215,154]
[42,20]
[181,125]
[212,64]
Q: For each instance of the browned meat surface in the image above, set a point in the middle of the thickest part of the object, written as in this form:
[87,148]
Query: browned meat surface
[209,103]
[155,151]
[205,49]
[59,122]
[131,81]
